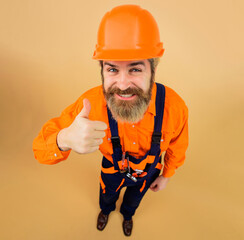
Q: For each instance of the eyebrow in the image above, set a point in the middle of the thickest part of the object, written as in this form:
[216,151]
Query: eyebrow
[130,65]
[109,64]
[136,63]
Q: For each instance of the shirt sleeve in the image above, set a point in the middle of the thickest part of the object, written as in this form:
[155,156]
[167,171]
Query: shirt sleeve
[45,146]
[175,154]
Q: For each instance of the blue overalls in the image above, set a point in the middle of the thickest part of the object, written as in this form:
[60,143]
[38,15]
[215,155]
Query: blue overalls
[112,178]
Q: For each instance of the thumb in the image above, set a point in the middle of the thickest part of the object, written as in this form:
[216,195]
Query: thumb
[86,108]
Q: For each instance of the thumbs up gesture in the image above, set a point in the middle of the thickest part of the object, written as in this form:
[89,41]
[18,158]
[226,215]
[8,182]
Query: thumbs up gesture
[83,135]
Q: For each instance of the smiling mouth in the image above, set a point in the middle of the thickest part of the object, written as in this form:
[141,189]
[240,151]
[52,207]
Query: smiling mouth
[125,96]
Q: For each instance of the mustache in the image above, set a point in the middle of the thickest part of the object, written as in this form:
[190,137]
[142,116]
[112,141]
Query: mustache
[133,91]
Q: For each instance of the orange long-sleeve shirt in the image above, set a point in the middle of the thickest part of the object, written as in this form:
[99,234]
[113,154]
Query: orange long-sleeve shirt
[135,138]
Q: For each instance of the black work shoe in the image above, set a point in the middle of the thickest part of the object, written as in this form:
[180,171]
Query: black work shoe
[102,221]
[127,227]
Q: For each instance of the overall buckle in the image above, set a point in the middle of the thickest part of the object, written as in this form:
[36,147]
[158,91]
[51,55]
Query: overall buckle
[116,142]
[156,137]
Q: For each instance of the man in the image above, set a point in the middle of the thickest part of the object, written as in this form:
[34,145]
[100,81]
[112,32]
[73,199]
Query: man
[130,119]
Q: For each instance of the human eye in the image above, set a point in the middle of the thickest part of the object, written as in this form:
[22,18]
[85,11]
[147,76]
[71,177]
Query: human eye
[135,70]
[112,70]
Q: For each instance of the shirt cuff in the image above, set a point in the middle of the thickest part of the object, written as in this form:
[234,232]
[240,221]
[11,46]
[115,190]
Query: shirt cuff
[168,172]
[55,153]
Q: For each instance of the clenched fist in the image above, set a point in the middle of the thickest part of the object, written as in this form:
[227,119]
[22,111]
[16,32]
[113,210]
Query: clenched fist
[83,135]
[159,183]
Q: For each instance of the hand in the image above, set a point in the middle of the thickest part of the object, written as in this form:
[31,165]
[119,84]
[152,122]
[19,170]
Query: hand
[159,183]
[83,135]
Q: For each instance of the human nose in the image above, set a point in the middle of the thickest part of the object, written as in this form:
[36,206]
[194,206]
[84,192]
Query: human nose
[123,81]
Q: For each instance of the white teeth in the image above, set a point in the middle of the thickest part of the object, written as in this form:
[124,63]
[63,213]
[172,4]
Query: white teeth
[126,95]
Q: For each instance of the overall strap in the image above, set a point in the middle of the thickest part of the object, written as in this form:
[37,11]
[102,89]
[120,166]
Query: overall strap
[158,119]
[117,150]
[158,122]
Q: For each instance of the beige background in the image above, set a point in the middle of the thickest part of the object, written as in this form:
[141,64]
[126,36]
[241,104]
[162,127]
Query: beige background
[45,65]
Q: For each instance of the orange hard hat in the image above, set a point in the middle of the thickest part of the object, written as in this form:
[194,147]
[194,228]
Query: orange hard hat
[128,32]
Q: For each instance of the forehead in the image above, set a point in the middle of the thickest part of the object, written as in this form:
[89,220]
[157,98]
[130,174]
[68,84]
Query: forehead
[143,62]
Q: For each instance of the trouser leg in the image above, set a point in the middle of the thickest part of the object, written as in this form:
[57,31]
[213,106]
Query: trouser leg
[108,200]
[133,197]
[109,191]
[131,201]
